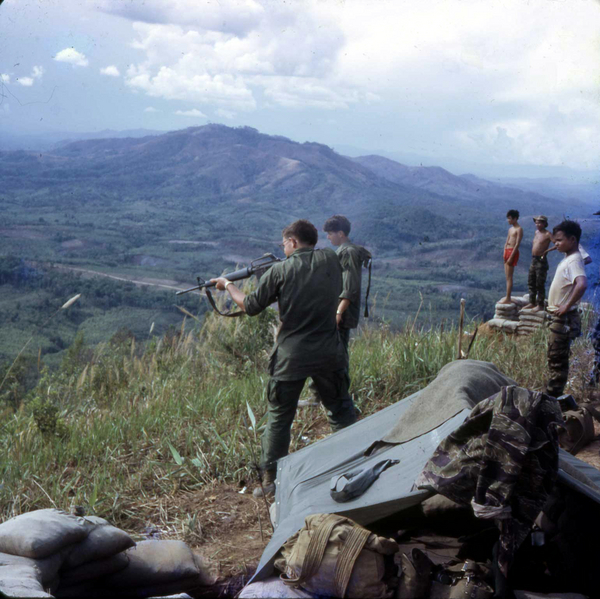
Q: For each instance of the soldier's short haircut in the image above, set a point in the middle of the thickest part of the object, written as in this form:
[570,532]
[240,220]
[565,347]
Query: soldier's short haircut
[570,228]
[513,214]
[337,223]
[303,230]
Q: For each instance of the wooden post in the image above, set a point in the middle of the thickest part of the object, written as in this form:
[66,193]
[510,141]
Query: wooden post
[460,327]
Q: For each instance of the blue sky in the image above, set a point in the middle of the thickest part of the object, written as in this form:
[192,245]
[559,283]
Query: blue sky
[493,81]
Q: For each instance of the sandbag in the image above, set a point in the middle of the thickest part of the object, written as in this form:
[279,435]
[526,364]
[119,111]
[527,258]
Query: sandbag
[439,506]
[26,577]
[334,556]
[94,569]
[103,541]
[154,563]
[42,533]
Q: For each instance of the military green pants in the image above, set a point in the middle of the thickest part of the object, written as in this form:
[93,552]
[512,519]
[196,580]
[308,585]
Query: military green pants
[538,271]
[283,400]
[563,329]
[345,339]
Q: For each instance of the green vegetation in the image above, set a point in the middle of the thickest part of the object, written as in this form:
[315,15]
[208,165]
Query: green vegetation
[121,429]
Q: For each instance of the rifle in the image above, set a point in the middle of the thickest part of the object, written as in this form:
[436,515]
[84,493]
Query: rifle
[257,267]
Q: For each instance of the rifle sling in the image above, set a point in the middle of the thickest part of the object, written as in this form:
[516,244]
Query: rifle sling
[368,290]
[212,302]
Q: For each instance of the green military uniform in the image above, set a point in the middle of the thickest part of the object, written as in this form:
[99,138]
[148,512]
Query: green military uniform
[306,287]
[352,258]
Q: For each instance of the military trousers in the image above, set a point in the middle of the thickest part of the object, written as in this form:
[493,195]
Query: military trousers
[595,338]
[563,329]
[283,401]
[538,272]
[345,339]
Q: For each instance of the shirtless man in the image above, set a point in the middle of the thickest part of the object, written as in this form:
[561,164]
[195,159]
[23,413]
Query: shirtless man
[511,251]
[538,271]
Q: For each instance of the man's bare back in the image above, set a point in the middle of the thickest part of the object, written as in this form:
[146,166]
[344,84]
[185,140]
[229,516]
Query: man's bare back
[541,242]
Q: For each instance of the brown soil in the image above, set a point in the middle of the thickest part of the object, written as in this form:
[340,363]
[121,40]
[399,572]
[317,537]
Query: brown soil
[231,531]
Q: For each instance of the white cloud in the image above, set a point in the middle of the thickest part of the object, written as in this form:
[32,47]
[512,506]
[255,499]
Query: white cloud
[503,80]
[5,77]
[232,16]
[194,112]
[201,59]
[150,109]
[226,114]
[25,81]
[71,56]
[111,71]
[37,72]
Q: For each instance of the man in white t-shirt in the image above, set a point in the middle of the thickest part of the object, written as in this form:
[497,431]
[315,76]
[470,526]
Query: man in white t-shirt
[567,289]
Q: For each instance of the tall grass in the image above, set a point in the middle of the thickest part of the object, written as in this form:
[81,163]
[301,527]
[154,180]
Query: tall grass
[131,428]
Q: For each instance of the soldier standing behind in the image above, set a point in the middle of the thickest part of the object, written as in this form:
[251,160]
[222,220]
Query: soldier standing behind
[568,286]
[352,258]
[306,287]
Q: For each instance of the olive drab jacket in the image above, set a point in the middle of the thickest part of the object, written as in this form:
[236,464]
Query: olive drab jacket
[306,287]
[352,258]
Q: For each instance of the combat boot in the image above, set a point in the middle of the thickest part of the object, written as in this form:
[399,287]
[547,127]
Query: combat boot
[268,485]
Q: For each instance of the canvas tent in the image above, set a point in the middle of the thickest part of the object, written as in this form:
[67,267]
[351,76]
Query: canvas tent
[408,431]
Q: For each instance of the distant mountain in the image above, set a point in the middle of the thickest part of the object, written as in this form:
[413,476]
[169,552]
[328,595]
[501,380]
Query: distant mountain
[577,191]
[237,178]
[230,177]
[50,140]
[467,188]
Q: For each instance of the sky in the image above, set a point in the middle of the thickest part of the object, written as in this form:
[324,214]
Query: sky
[489,81]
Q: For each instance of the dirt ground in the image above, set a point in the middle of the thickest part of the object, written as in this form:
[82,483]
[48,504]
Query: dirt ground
[232,530]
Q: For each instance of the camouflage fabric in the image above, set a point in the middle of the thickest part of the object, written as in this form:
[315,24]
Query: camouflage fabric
[595,337]
[538,271]
[503,461]
[563,329]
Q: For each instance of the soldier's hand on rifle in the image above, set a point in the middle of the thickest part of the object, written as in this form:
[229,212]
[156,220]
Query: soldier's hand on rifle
[220,283]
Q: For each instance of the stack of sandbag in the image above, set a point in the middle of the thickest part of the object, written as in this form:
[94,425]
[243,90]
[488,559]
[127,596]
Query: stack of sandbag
[520,300]
[530,321]
[507,311]
[49,553]
[506,318]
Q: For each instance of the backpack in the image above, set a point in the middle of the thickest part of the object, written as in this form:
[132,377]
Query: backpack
[334,556]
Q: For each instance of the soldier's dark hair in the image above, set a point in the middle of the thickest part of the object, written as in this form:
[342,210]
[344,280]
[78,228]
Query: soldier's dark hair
[303,230]
[336,223]
[570,228]
[513,214]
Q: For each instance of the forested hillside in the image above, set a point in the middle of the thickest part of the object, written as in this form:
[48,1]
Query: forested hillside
[162,209]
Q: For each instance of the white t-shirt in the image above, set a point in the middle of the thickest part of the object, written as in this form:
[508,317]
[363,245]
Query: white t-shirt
[567,271]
